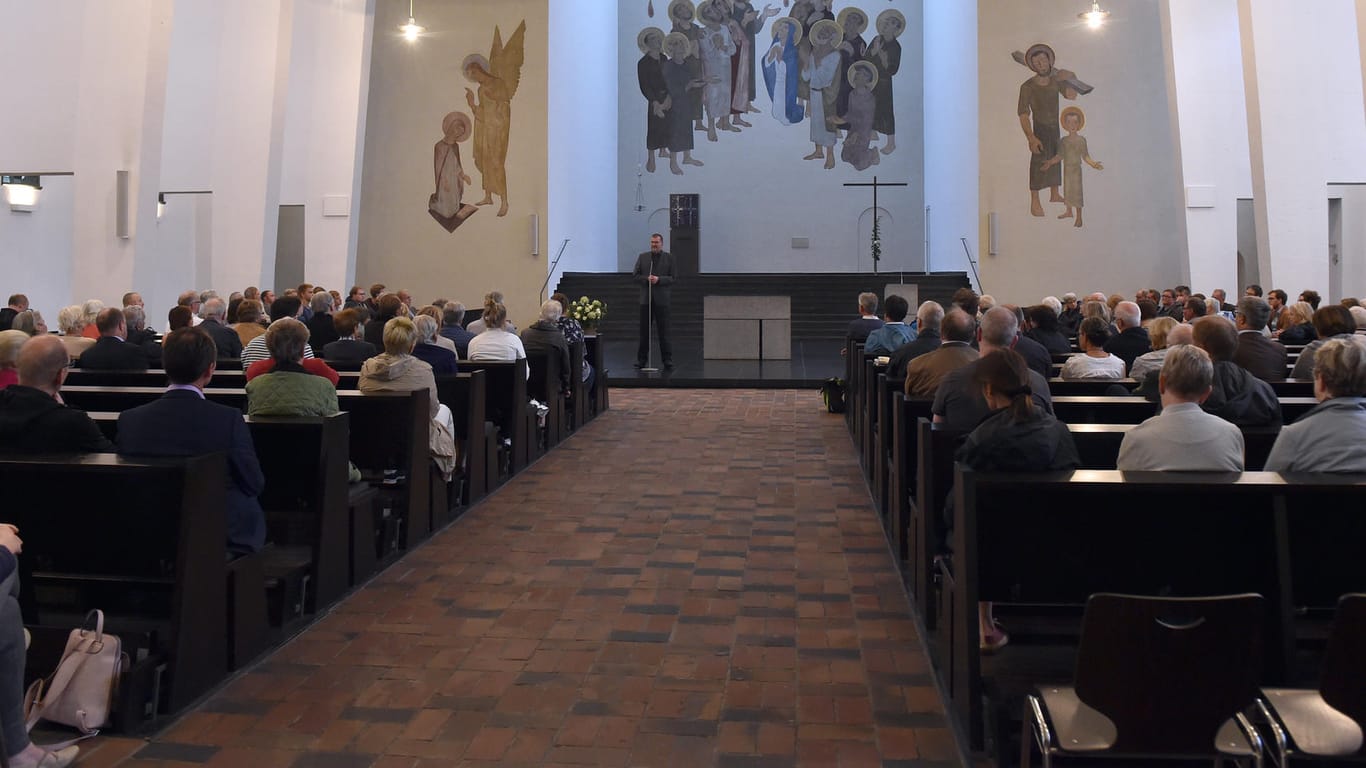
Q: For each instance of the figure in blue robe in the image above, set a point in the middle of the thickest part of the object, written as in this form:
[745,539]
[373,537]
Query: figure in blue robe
[782,75]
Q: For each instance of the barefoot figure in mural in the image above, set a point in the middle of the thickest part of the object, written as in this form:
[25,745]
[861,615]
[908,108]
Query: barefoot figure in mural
[497,77]
[1072,152]
[853,21]
[857,151]
[678,76]
[650,76]
[749,22]
[716,49]
[819,73]
[681,12]
[782,73]
[445,204]
[885,54]
[1038,111]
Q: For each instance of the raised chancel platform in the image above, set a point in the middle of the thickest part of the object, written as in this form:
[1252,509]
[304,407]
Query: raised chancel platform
[822,304]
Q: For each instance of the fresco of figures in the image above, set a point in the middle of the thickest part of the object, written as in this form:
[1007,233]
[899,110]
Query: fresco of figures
[812,69]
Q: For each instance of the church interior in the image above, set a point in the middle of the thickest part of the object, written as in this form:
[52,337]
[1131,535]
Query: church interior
[690,558]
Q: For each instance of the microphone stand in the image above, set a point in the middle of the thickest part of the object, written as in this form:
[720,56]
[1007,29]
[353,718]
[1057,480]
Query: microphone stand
[649,321]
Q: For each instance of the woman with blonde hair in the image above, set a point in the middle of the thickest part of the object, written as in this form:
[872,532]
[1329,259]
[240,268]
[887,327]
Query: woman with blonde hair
[1296,324]
[496,342]
[396,370]
[71,321]
[11,342]
[479,326]
[1157,336]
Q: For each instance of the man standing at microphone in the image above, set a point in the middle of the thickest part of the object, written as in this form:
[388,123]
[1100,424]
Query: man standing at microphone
[654,273]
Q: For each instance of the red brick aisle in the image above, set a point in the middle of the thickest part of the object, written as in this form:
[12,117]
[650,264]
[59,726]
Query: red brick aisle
[697,578]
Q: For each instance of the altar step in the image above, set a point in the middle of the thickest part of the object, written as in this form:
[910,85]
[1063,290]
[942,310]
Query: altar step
[822,303]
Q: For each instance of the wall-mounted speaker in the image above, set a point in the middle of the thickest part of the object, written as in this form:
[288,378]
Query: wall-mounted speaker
[535,222]
[993,230]
[121,182]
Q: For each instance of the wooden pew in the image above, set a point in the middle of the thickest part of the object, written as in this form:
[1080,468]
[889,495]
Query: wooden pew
[145,541]
[466,394]
[597,358]
[1056,538]
[579,406]
[544,385]
[507,407]
[388,431]
[905,412]
[1097,447]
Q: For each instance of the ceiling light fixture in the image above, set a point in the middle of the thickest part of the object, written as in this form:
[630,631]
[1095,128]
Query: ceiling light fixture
[1094,17]
[412,30]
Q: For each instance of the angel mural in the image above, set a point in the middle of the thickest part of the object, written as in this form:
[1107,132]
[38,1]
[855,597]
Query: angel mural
[497,78]
[445,203]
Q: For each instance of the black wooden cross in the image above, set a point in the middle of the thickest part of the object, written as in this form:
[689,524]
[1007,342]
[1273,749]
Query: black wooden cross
[875,184]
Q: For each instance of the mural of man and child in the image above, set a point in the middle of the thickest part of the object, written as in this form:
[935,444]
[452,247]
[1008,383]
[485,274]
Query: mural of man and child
[702,75]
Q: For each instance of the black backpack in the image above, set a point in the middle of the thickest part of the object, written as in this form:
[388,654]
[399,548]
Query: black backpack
[833,393]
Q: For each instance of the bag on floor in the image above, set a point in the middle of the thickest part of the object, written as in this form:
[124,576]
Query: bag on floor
[81,692]
[833,392]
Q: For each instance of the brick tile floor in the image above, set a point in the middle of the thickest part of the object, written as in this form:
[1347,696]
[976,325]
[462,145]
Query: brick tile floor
[697,578]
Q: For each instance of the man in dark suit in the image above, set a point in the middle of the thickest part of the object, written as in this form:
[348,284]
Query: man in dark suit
[33,418]
[654,273]
[1132,339]
[183,423]
[928,319]
[348,348]
[1262,357]
[17,303]
[320,329]
[111,351]
[140,336]
[215,314]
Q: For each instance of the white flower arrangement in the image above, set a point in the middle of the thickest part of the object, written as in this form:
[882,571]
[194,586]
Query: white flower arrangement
[589,312]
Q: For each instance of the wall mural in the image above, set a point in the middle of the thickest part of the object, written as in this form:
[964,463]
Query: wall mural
[497,77]
[817,68]
[1042,125]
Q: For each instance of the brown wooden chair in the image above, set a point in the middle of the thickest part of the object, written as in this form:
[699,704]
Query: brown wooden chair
[1157,678]
[1326,723]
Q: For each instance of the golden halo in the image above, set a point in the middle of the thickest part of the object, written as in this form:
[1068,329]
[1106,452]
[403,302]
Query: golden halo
[862,65]
[453,119]
[677,3]
[1040,48]
[640,38]
[473,58]
[789,22]
[843,19]
[892,13]
[826,24]
[675,38]
[1073,111]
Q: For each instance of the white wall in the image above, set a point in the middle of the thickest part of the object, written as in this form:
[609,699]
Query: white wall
[1304,131]
[1132,217]
[1210,116]
[321,128]
[757,193]
[38,246]
[951,161]
[583,199]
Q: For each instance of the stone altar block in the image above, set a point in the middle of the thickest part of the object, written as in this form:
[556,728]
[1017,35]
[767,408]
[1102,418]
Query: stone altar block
[747,327]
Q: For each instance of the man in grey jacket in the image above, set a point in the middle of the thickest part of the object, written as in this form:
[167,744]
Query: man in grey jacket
[654,273]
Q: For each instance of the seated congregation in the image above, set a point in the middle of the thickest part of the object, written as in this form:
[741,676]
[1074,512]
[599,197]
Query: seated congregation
[278,451]
[1027,460]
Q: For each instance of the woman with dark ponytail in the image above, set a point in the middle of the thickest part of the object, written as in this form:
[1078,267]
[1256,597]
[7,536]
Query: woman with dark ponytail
[1017,436]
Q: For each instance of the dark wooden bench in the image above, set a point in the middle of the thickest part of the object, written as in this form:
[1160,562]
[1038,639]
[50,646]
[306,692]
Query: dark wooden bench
[597,358]
[1053,539]
[466,395]
[543,384]
[507,408]
[145,541]
[388,432]
[1097,447]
